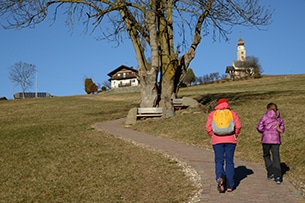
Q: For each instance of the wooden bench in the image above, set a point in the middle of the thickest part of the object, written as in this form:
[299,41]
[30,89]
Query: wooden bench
[178,104]
[149,112]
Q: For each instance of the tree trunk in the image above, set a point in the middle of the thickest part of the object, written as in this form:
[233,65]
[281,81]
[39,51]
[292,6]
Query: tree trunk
[168,59]
[167,86]
[149,88]
[23,90]
[148,72]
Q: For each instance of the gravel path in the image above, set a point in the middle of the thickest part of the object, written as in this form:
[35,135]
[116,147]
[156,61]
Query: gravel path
[252,185]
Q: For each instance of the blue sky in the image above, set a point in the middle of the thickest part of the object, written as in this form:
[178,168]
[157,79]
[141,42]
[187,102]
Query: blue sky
[65,59]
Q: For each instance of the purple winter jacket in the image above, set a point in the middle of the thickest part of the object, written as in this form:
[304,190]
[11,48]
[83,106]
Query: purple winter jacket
[267,126]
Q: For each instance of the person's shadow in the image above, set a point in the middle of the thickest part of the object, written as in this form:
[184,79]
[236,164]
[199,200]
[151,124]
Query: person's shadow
[241,172]
[284,168]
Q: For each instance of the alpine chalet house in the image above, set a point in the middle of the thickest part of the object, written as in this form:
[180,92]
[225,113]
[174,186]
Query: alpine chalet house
[241,67]
[123,76]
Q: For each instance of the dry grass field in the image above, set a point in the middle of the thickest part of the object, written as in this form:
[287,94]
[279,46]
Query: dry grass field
[50,153]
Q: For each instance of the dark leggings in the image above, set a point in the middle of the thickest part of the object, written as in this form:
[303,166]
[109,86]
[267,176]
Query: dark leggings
[272,163]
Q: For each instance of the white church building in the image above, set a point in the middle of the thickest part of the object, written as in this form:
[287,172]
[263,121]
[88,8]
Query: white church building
[241,67]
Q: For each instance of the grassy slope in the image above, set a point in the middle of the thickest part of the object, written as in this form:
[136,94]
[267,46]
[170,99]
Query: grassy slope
[50,153]
[249,99]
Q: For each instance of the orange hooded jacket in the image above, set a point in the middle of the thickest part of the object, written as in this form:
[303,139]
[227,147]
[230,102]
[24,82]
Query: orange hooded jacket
[224,138]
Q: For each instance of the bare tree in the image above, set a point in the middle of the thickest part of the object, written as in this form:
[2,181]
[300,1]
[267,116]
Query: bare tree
[256,68]
[199,80]
[165,33]
[22,74]
[106,85]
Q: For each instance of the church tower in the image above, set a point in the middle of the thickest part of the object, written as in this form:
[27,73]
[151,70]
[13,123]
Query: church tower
[241,50]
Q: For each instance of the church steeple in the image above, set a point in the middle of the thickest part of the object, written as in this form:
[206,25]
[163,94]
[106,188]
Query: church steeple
[241,50]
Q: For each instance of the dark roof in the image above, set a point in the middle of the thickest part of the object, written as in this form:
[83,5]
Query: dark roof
[229,68]
[240,41]
[243,64]
[120,68]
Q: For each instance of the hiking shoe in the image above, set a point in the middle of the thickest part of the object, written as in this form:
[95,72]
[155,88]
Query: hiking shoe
[278,180]
[270,177]
[220,185]
[229,189]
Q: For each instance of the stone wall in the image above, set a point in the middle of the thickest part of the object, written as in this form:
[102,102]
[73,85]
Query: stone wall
[123,89]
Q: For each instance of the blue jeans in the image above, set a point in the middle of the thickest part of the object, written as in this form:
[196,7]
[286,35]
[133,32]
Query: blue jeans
[225,152]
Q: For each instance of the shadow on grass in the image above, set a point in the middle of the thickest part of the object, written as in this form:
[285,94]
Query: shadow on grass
[284,168]
[241,172]
[242,96]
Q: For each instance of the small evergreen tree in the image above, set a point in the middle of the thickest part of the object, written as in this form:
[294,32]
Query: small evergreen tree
[103,89]
[189,77]
[90,86]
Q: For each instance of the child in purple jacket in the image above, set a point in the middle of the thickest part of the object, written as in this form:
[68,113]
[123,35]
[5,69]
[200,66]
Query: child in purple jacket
[271,125]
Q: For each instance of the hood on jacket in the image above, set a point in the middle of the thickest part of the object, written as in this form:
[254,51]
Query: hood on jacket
[271,114]
[223,105]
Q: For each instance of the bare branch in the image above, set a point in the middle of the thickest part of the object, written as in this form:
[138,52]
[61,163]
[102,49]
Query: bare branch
[153,30]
